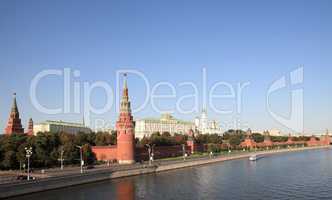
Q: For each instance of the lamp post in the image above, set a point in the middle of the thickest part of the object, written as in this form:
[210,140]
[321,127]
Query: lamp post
[184,152]
[61,158]
[28,151]
[81,158]
[150,151]
[20,167]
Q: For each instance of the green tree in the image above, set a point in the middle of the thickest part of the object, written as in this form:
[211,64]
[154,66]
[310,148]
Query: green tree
[258,137]
[103,139]
[88,156]
[234,140]
[9,160]
[44,144]
[144,141]
[201,139]
[69,147]
[214,138]
[166,134]
[279,138]
[81,138]
[215,148]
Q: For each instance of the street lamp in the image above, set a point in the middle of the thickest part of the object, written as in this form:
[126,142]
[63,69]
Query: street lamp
[61,158]
[81,157]
[184,151]
[150,151]
[28,151]
[20,167]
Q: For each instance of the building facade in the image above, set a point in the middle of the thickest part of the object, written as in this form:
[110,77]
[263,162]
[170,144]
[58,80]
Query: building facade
[60,126]
[275,132]
[166,123]
[204,126]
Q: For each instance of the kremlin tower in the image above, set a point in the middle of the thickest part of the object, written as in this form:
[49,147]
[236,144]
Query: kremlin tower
[267,139]
[14,122]
[30,127]
[125,127]
[249,142]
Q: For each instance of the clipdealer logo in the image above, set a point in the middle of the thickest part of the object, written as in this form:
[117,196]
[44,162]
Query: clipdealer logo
[295,119]
[73,87]
[198,94]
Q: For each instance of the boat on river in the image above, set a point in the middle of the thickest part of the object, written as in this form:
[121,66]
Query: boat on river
[253,158]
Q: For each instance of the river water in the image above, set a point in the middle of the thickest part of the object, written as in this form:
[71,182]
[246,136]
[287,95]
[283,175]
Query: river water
[301,175]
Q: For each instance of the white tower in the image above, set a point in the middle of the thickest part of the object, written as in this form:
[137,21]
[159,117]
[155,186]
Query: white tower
[204,121]
[197,122]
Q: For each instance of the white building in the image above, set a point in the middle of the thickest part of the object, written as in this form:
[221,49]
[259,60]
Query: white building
[60,126]
[275,132]
[166,123]
[204,126]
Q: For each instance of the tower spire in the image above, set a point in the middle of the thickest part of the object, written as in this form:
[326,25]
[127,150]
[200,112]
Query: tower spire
[125,103]
[14,108]
[125,81]
[204,109]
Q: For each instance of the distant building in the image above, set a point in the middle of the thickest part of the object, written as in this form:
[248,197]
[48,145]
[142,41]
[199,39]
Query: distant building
[275,132]
[14,124]
[166,123]
[204,126]
[60,126]
[105,130]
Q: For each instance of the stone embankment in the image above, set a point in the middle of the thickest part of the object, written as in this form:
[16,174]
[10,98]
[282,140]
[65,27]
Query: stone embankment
[21,188]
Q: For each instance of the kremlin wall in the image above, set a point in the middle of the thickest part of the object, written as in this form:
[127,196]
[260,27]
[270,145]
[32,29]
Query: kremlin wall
[249,143]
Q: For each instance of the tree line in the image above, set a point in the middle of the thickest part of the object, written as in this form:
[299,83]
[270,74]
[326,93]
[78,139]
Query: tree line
[47,148]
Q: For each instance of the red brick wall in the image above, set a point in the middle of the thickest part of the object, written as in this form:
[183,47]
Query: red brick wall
[141,153]
[324,140]
[195,147]
[249,143]
[105,153]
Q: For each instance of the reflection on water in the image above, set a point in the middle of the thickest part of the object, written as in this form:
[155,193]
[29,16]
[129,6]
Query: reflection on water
[125,190]
[303,175]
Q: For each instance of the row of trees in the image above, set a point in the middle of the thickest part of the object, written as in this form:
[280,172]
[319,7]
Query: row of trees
[164,139]
[47,148]
[214,142]
[235,137]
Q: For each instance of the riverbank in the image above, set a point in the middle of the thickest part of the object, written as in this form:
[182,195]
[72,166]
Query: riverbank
[16,189]
[242,156]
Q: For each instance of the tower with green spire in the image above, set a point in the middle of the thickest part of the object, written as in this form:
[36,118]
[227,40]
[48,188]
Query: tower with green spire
[14,122]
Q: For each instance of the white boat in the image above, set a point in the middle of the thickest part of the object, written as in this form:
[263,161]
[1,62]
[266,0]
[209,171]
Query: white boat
[253,158]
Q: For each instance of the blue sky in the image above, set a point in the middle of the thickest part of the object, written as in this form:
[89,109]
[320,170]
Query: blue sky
[236,41]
